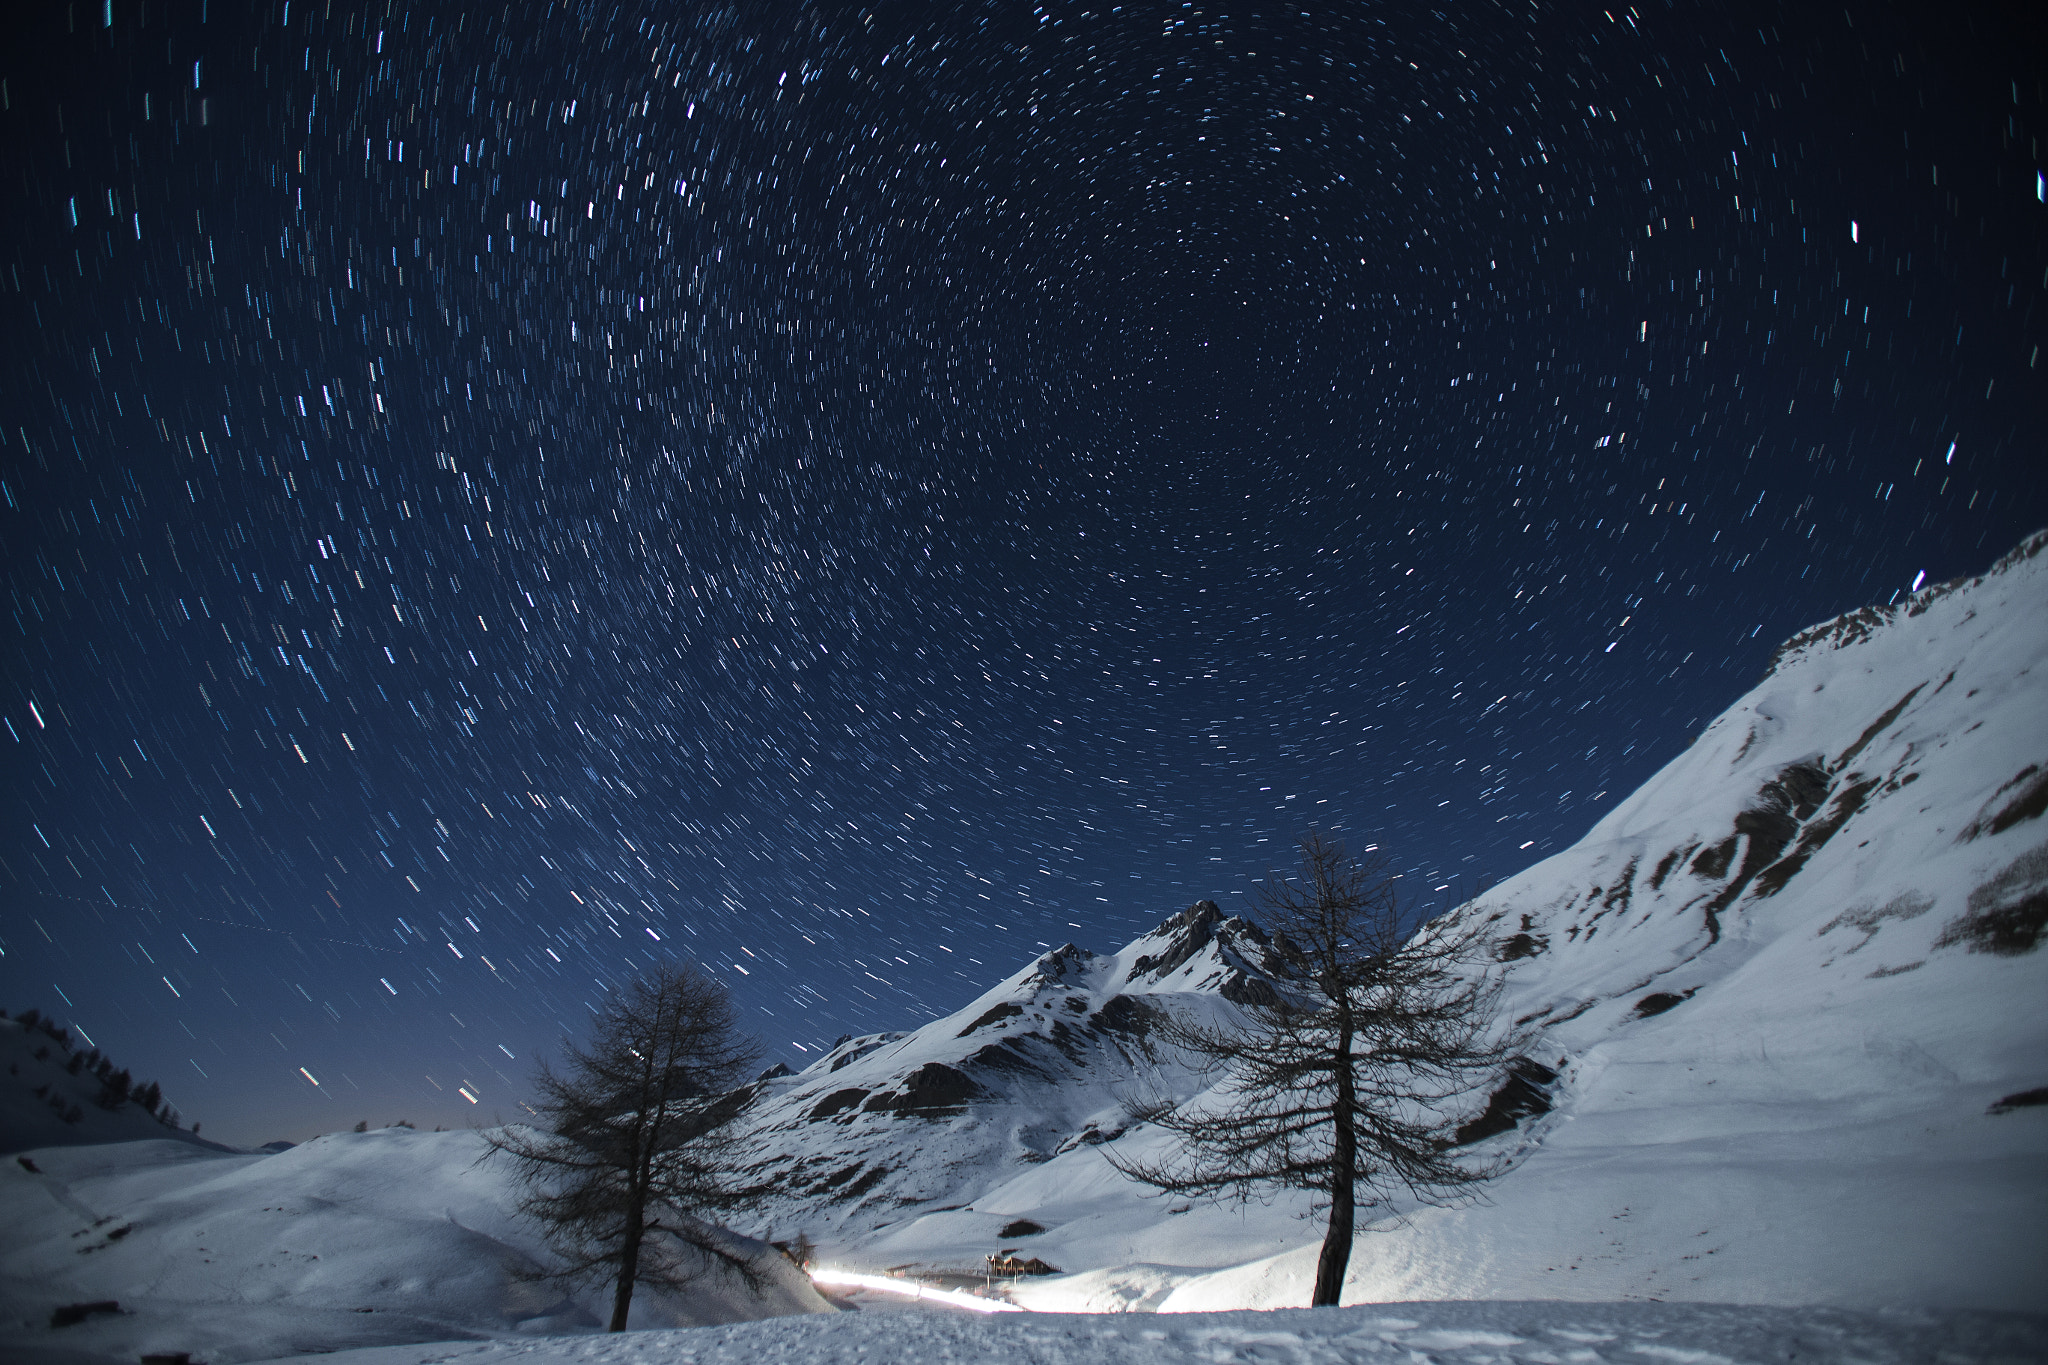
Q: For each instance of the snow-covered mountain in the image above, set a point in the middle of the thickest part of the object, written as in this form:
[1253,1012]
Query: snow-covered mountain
[1795,991]
[1039,1066]
[1791,1031]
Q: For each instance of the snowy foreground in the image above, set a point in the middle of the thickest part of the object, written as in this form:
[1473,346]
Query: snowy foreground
[1447,1333]
[355,1239]
[353,1245]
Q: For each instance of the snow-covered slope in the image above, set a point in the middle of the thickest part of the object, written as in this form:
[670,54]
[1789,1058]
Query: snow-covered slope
[1778,994]
[45,1102]
[1039,1066]
[354,1239]
[1788,983]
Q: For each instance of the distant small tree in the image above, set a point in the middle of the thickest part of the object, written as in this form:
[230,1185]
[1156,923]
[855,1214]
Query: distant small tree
[114,1089]
[627,1165]
[362,1125]
[1349,1089]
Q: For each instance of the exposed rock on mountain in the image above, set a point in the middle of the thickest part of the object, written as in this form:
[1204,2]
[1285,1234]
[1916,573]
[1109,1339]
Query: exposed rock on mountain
[1785,996]
[1040,1065]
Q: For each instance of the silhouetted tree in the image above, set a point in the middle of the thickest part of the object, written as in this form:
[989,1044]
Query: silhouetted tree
[1350,1088]
[626,1166]
[362,1126]
[114,1089]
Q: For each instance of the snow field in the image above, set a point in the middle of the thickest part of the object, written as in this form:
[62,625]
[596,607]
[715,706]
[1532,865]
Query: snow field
[1382,1334]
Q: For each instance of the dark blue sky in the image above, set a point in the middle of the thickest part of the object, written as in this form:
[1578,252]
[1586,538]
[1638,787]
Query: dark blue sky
[496,498]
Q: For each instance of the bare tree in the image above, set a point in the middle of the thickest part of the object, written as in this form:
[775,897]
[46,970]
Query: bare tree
[1350,1088]
[627,1166]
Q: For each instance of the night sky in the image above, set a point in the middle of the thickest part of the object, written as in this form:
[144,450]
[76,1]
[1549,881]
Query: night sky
[497,498]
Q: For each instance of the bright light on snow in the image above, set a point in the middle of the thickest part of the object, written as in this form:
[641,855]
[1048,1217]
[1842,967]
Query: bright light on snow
[910,1289]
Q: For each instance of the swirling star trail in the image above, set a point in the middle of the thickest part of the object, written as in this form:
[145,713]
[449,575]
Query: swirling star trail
[496,497]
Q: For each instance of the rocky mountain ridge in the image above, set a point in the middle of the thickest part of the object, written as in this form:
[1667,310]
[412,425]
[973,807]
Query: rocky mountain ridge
[1784,1000]
[1040,1065]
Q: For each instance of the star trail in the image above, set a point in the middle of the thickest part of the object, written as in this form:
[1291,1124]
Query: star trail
[496,497]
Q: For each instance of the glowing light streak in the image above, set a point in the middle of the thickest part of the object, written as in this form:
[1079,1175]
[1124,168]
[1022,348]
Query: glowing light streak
[913,1290]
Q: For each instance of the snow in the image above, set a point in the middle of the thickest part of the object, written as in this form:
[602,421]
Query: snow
[1446,1333]
[346,1240]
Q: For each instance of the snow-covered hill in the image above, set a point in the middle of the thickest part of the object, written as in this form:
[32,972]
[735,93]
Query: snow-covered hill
[355,1239]
[1789,1003]
[53,1094]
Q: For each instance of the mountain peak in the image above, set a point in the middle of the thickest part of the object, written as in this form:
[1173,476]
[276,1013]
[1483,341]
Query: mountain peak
[1041,1064]
[1183,935]
[1200,948]
[1062,964]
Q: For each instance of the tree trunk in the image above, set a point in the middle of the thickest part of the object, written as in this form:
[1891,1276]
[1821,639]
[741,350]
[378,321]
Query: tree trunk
[629,1267]
[1336,1255]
